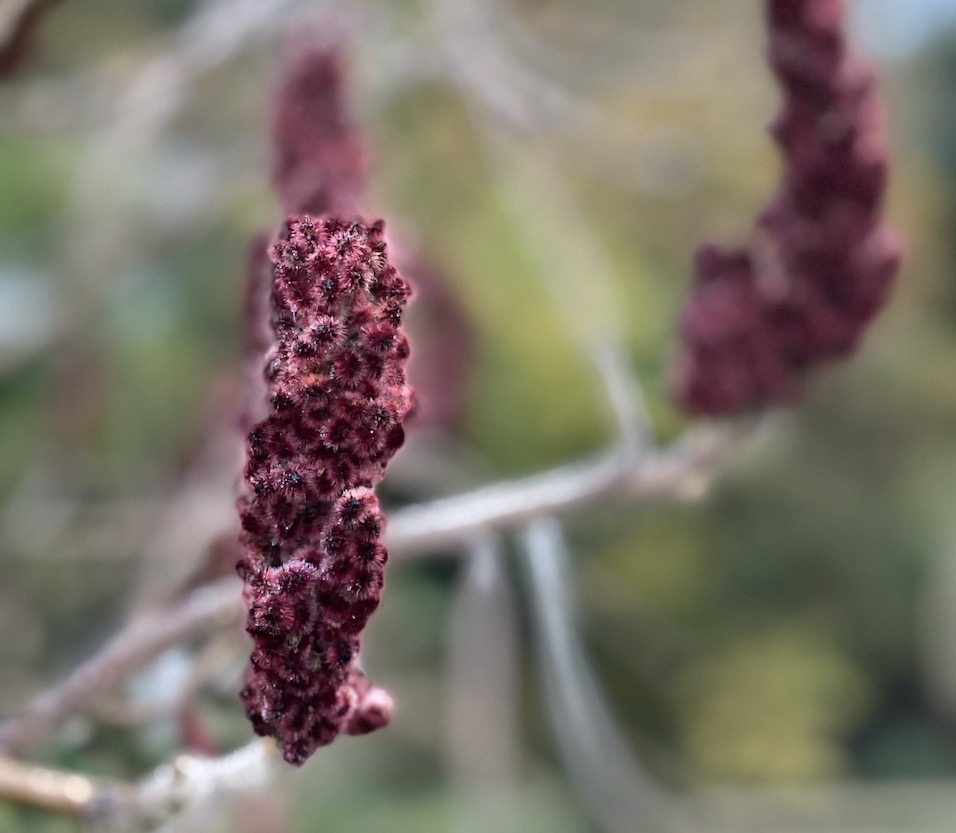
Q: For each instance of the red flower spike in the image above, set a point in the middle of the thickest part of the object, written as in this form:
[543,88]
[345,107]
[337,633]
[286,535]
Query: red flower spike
[311,523]
[822,260]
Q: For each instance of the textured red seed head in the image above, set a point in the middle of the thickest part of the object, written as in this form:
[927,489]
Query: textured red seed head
[822,260]
[311,522]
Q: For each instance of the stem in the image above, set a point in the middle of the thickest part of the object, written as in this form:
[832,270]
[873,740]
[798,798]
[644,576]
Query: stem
[18,19]
[618,791]
[680,471]
[62,793]
[117,805]
[210,606]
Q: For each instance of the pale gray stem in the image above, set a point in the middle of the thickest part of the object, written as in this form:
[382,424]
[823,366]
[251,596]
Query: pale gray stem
[626,396]
[482,697]
[448,522]
[17,19]
[187,783]
[681,471]
[192,781]
[144,637]
[619,793]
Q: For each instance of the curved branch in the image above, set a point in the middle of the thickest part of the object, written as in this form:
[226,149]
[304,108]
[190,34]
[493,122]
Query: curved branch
[620,793]
[18,21]
[680,471]
[118,805]
[210,606]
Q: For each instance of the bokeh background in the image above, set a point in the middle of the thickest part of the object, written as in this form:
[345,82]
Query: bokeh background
[788,633]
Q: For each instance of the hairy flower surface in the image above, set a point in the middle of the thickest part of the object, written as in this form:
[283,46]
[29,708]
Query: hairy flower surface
[319,170]
[821,260]
[312,527]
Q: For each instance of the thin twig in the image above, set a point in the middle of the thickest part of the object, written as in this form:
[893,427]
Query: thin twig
[190,782]
[483,735]
[626,396]
[63,793]
[210,606]
[18,20]
[680,471]
[187,781]
[618,791]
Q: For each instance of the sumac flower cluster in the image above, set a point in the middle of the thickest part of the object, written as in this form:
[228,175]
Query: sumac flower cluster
[311,523]
[821,260]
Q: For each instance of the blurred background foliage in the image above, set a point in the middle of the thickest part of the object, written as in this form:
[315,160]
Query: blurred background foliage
[795,625]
